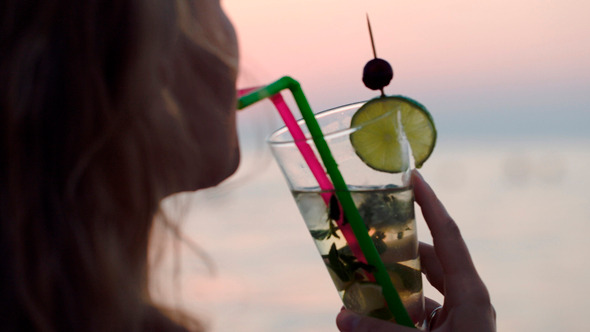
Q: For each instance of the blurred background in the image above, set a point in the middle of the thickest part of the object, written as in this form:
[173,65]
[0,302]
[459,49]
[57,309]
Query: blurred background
[508,85]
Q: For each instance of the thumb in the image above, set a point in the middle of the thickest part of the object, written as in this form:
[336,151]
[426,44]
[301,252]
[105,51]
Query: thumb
[348,321]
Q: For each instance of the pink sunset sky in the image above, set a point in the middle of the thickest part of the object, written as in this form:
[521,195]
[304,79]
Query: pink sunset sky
[497,60]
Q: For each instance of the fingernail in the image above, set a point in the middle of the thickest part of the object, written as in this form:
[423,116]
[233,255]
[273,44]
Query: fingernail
[347,321]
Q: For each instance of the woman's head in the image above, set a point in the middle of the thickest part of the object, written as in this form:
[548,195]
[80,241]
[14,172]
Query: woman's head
[105,108]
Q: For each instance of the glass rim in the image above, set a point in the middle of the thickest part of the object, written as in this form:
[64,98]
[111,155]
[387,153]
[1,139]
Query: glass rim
[271,139]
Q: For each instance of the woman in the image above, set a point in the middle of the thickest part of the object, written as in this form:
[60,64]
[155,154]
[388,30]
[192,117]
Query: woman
[106,108]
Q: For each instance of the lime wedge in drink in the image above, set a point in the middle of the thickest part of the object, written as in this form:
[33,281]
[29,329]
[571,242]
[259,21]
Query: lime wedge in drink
[377,143]
[363,298]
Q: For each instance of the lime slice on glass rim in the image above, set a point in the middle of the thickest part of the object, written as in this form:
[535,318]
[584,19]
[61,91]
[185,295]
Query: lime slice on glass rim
[377,143]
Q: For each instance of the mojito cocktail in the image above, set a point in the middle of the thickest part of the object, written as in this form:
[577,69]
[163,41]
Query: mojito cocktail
[377,179]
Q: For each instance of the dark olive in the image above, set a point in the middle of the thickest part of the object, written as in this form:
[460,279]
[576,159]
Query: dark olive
[377,74]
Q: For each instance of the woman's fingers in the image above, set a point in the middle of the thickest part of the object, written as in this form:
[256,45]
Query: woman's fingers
[430,305]
[450,247]
[431,267]
[449,268]
[461,282]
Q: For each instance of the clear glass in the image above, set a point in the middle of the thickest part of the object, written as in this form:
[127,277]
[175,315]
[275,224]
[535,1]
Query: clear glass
[385,202]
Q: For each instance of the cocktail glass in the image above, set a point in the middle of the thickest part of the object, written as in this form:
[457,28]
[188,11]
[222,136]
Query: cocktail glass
[384,200]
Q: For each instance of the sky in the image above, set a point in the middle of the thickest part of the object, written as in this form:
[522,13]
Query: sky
[483,69]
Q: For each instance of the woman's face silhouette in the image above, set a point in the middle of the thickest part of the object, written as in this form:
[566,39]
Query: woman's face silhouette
[205,65]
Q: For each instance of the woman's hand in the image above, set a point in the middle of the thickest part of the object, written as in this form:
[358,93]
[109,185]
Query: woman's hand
[449,268]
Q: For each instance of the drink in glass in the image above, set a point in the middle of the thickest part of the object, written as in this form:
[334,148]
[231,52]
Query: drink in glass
[384,201]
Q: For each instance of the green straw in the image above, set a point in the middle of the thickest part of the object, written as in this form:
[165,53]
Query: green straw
[341,189]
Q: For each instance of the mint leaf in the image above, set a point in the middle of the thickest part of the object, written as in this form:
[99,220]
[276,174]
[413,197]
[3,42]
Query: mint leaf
[338,266]
[333,229]
[378,241]
[320,234]
[345,265]
[334,208]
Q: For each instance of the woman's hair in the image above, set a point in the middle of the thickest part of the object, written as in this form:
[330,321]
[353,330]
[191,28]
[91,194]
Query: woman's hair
[91,141]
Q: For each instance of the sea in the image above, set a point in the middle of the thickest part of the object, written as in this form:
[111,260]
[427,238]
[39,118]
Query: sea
[245,261]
